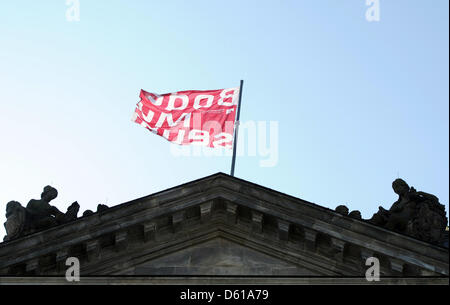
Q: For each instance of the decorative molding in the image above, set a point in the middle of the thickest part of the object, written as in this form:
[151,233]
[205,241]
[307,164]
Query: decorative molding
[257,221]
[397,265]
[338,246]
[92,249]
[33,266]
[121,240]
[149,231]
[205,210]
[310,238]
[231,212]
[283,229]
[177,220]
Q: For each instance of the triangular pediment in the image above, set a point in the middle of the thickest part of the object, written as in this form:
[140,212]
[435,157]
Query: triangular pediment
[220,225]
[219,257]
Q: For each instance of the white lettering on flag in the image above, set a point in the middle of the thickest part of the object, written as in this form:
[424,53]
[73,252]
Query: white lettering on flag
[193,117]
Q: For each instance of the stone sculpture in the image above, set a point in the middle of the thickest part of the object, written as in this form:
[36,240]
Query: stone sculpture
[37,215]
[417,214]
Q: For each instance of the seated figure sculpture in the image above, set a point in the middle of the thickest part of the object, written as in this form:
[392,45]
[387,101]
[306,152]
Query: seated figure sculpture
[38,215]
[417,214]
[42,214]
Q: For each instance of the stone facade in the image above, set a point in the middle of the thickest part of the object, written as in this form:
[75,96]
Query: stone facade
[220,226]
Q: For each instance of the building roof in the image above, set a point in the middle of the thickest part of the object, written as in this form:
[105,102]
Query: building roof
[221,225]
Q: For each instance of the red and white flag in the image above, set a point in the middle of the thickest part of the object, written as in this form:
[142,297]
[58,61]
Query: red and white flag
[195,117]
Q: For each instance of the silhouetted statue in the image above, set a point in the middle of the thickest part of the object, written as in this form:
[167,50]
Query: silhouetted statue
[42,214]
[87,213]
[102,207]
[417,214]
[70,215]
[15,220]
[355,214]
[38,215]
[342,209]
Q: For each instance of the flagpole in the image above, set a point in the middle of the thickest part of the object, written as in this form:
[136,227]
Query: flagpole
[236,129]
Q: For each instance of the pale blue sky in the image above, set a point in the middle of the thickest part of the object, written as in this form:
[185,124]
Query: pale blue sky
[357,102]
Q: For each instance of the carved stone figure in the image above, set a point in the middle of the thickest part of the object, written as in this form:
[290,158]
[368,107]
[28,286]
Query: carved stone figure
[417,214]
[102,207]
[42,214]
[355,214]
[70,215]
[38,215]
[15,220]
[342,209]
[87,213]
[72,211]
